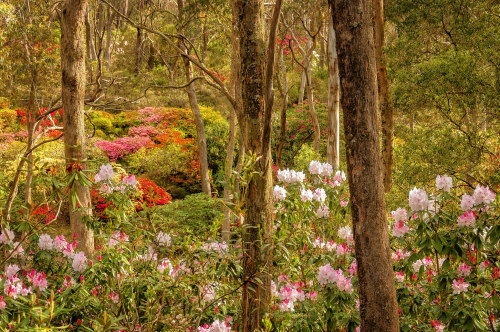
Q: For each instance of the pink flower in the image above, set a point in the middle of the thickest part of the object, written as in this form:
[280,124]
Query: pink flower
[130,181]
[323,211]
[79,262]
[483,195]
[400,229]
[400,276]
[459,286]
[468,219]
[418,200]
[464,270]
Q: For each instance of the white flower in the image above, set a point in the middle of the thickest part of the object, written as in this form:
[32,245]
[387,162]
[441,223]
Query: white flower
[416,266]
[444,182]
[467,202]
[105,189]
[345,232]
[323,211]
[45,242]
[399,215]
[163,239]
[315,167]
[319,195]
[105,173]
[306,195]
[11,271]
[60,243]
[279,193]
[483,195]
[326,169]
[7,236]
[79,262]
[418,200]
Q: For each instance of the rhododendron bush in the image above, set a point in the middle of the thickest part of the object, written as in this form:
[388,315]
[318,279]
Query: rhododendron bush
[146,276]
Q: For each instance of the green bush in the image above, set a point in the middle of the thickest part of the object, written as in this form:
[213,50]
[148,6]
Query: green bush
[195,215]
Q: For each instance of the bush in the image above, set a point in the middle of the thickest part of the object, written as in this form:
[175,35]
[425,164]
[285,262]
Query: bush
[194,215]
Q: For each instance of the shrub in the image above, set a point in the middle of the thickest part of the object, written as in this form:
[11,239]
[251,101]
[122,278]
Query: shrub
[123,146]
[152,194]
[194,215]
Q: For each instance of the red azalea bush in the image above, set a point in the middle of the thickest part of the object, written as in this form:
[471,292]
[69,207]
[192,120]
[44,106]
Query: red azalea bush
[152,194]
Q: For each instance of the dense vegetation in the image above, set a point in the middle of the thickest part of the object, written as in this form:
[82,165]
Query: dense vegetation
[170,243]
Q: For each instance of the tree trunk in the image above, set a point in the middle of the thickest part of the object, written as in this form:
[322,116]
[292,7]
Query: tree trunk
[256,293]
[91,53]
[385,107]
[107,49]
[236,87]
[302,87]
[312,109]
[138,51]
[73,94]
[333,142]
[282,142]
[358,79]
[198,120]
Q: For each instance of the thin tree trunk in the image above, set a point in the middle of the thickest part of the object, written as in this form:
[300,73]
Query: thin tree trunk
[73,94]
[385,106]
[358,79]
[138,51]
[312,110]
[198,120]
[236,87]
[107,49]
[91,53]
[302,87]
[333,142]
[257,237]
[279,152]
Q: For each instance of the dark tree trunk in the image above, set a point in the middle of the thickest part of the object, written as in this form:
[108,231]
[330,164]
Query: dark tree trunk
[256,293]
[358,78]
[73,94]
[385,106]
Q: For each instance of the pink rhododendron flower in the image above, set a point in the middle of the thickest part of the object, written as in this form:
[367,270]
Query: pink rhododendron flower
[459,286]
[130,181]
[344,232]
[114,297]
[400,276]
[468,219]
[399,215]
[400,229]
[106,173]
[163,239]
[438,327]
[60,243]
[343,203]
[464,270]
[319,195]
[79,262]
[165,265]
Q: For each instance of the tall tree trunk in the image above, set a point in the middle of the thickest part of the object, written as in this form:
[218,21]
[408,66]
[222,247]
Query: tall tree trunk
[236,89]
[279,152]
[333,141]
[198,120]
[91,53]
[138,50]
[73,94]
[358,79]
[322,51]
[385,106]
[312,109]
[256,293]
[302,87]
[107,49]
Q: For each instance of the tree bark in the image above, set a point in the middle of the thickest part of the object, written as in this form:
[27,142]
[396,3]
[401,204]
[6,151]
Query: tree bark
[73,94]
[236,89]
[385,106]
[256,293]
[353,25]
[279,152]
[333,140]
[138,50]
[198,120]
